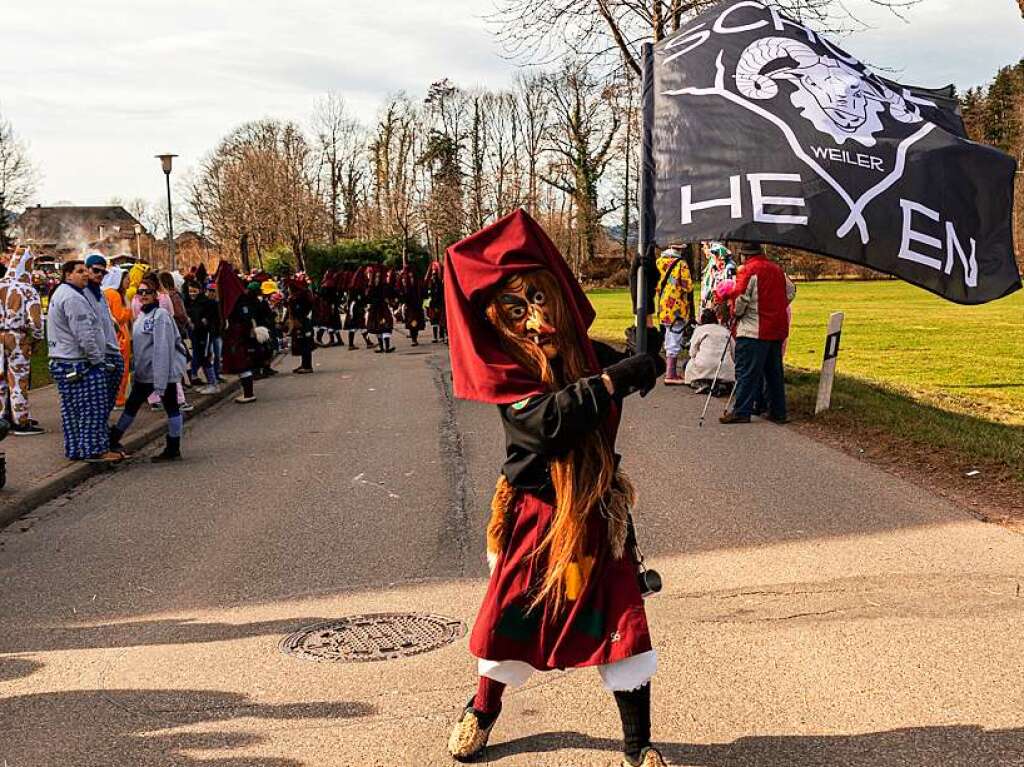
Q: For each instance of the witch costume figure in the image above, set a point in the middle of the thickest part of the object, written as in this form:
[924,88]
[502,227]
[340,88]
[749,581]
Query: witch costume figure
[435,302]
[379,319]
[355,313]
[563,591]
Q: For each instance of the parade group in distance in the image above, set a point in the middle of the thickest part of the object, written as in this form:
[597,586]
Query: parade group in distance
[119,339]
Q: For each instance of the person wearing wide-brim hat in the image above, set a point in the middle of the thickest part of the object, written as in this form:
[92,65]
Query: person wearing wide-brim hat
[563,591]
[762,295]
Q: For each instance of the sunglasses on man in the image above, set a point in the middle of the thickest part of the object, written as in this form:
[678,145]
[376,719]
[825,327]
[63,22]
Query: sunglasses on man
[98,270]
[145,291]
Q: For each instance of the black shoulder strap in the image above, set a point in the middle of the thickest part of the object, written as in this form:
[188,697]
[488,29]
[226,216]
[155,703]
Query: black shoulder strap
[664,278]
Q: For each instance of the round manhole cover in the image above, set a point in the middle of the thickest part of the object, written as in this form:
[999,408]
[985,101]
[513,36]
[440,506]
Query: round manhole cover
[382,636]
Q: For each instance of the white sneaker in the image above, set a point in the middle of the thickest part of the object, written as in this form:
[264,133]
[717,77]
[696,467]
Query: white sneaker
[186,407]
[210,389]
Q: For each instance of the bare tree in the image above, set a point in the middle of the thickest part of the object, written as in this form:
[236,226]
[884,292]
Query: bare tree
[535,111]
[341,145]
[540,30]
[258,189]
[18,176]
[585,123]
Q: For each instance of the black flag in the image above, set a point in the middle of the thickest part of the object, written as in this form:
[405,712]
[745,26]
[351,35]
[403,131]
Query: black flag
[765,131]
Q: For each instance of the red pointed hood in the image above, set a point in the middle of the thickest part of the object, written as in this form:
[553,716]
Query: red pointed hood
[476,266]
[229,288]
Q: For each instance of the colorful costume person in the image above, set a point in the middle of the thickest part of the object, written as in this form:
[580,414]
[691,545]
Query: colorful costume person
[379,319]
[23,327]
[410,294]
[435,302]
[121,312]
[5,282]
[720,267]
[135,275]
[563,591]
[675,287]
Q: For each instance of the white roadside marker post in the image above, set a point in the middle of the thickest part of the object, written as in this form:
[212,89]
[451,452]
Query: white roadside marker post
[828,364]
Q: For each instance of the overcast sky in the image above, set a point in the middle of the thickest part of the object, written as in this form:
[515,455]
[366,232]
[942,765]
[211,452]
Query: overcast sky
[99,87]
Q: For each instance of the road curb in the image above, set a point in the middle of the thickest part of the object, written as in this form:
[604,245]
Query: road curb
[63,480]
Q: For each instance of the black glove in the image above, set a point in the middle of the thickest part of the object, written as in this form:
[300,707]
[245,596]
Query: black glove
[638,373]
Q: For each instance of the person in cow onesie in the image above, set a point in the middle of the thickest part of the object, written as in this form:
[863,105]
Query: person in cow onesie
[563,589]
[762,295]
[22,330]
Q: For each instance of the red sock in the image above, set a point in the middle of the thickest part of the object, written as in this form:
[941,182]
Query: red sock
[488,696]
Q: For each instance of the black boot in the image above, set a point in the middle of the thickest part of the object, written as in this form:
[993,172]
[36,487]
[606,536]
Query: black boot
[320,337]
[388,348]
[414,335]
[635,713]
[366,338]
[115,442]
[351,340]
[248,394]
[433,330]
[172,451]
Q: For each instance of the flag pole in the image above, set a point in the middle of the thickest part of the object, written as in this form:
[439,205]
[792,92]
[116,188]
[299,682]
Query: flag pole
[645,246]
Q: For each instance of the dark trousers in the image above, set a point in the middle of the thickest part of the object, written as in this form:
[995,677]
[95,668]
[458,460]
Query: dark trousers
[140,393]
[759,370]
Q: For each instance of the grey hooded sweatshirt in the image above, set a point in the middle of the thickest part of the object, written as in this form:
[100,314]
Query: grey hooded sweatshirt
[102,308]
[157,349]
[73,332]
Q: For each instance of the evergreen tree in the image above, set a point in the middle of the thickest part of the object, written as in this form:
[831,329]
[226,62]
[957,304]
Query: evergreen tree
[1002,114]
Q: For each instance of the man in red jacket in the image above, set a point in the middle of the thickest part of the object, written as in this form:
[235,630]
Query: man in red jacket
[762,294]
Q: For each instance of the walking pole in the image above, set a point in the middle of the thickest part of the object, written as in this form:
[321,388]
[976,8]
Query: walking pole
[714,382]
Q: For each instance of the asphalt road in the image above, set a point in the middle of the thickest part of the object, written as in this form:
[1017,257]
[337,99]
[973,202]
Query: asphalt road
[817,612]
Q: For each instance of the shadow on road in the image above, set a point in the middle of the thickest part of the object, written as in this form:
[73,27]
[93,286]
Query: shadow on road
[132,634]
[954,746]
[65,728]
[17,668]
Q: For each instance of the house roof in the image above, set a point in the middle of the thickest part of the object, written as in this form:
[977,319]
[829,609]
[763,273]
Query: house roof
[72,225]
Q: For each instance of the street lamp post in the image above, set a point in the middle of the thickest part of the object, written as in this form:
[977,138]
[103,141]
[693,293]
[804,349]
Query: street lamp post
[166,161]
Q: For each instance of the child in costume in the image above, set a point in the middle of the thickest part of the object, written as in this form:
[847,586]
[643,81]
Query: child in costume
[563,591]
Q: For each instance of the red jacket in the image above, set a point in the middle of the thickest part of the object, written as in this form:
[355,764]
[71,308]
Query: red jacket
[762,292]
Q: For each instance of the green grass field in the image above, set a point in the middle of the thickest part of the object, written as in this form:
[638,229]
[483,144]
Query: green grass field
[967,359]
[946,382]
[40,367]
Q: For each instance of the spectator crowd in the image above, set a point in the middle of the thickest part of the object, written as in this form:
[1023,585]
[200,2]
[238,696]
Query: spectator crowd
[121,339]
[735,345]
